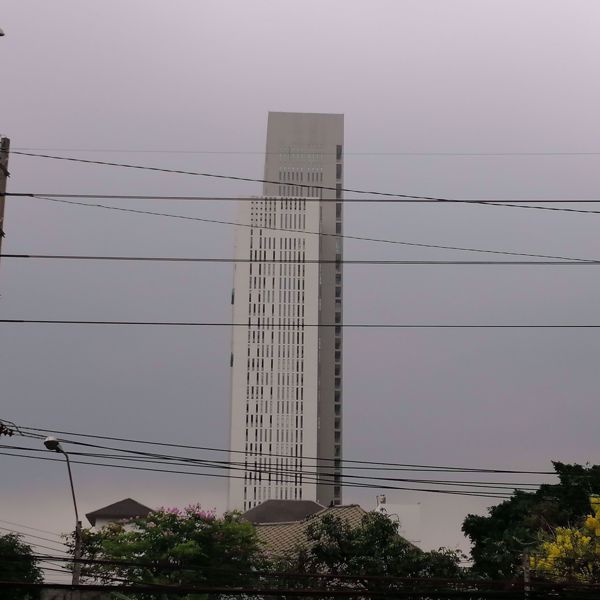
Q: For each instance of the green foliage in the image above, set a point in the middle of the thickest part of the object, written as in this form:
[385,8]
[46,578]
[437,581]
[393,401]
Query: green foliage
[571,554]
[372,549]
[174,547]
[17,563]
[499,538]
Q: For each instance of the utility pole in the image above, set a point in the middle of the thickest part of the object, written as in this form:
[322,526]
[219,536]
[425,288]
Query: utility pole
[4,150]
[526,573]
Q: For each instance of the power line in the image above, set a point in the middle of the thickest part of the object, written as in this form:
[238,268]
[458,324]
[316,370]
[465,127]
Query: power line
[304,261]
[323,592]
[288,472]
[264,454]
[252,454]
[224,177]
[412,587]
[263,153]
[294,184]
[297,326]
[29,527]
[268,199]
[228,476]
[37,537]
[166,567]
[38,545]
[318,233]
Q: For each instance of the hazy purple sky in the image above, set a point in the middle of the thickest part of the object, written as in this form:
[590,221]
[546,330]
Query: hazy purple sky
[410,76]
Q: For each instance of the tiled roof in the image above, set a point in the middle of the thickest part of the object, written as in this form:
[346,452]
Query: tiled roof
[124,509]
[281,511]
[280,538]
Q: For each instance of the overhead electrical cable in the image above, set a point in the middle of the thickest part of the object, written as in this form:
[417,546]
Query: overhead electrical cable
[43,431]
[20,525]
[317,233]
[38,545]
[298,326]
[433,592]
[164,566]
[263,153]
[288,472]
[309,199]
[283,261]
[348,464]
[295,184]
[31,535]
[224,476]
[480,493]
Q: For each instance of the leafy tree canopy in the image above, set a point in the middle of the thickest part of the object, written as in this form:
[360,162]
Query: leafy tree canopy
[172,546]
[500,537]
[18,563]
[373,548]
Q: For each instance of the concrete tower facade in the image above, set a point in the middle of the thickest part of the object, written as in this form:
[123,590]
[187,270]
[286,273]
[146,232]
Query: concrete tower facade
[286,387]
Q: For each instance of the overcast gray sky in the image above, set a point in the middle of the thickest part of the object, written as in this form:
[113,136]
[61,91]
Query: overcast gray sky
[417,76]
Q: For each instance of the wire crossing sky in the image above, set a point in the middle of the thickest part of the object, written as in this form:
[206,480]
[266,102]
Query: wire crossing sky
[438,103]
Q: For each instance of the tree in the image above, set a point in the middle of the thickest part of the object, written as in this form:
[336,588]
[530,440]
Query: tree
[173,547]
[371,549]
[500,538]
[18,563]
[571,554]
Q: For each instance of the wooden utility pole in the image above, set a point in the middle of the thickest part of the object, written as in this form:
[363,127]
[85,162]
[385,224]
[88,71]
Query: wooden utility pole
[4,150]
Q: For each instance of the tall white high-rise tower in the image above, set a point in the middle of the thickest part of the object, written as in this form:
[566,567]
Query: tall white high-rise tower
[286,392]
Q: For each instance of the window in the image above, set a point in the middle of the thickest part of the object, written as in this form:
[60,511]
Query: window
[338,192]
[338,171]
[338,210]
[338,152]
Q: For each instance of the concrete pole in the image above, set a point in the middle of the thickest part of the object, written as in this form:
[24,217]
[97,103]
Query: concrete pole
[4,150]
[526,574]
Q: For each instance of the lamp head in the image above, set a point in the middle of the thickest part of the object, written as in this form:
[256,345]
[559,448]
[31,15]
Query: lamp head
[53,444]
[1,32]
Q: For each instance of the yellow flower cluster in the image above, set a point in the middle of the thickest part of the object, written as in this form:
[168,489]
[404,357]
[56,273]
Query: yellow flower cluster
[593,524]
[571,552]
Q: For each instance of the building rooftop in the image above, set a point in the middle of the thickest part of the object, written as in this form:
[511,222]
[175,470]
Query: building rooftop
[281,511]
[281,538]
[122,510]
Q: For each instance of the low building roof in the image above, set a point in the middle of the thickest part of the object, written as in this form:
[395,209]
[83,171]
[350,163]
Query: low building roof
[281,511]
[282,538]
[123,509]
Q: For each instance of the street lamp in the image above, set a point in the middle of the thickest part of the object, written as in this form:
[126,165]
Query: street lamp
[54,445]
